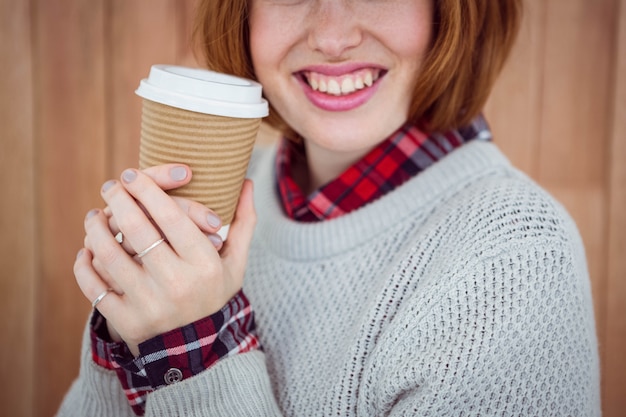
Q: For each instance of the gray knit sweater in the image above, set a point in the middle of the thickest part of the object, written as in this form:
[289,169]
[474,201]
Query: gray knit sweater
[464,292]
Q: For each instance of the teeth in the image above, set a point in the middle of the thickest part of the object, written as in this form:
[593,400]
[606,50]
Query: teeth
[333,87]
[345,84]
[323,87]
[369,79]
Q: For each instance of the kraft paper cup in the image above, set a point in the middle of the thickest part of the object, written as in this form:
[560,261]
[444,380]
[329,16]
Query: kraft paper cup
[206,120]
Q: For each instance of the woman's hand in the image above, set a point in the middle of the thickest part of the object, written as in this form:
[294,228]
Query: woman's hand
[168,177]
[177,282]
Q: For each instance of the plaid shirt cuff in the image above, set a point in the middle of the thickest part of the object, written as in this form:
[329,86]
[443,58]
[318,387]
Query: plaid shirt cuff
[178,354]
[109,354]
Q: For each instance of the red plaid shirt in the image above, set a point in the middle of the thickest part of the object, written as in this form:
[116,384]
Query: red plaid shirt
[187,351]
[400,157]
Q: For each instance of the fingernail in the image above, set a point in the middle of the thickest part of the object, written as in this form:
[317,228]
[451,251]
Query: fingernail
[107,185]
[178,173]
[129,175]
[216,240]
[213,220]
[91,213]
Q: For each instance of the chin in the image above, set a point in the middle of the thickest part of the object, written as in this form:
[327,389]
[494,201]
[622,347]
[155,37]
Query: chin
[344,142]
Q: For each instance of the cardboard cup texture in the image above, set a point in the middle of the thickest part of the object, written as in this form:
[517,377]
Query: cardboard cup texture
[204,119]
[216,148]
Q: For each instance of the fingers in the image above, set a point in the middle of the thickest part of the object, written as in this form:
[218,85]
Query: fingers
[92,286]
[169,176]
[205,219]
[137,228]
[117,233]
[187,240]
[235,250]
[108,301]
[106,277]
[113,264]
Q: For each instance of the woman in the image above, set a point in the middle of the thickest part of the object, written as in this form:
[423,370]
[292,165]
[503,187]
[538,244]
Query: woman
[400,264]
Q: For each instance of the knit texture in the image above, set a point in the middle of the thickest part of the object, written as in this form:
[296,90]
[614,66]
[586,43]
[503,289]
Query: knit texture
[463,292]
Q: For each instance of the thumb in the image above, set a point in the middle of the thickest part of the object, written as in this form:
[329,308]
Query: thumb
[234,254]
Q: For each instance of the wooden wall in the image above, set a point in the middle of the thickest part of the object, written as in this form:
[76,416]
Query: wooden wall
[69,121]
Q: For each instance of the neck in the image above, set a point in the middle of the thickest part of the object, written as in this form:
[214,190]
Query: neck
[325,165]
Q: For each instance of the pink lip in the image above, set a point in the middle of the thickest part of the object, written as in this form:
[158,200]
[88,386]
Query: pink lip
[338,103]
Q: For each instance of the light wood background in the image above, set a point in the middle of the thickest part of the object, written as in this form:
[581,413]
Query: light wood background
[69,120]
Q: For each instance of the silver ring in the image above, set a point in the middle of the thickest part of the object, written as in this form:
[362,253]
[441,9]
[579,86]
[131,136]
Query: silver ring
[119,237]
[149,248]
[100,297]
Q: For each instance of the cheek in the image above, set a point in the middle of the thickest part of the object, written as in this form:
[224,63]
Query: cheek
[262,65]
[265,53]
[270,53]
[260,36]
[256,48]
[274,33]
[413,40]
[409,32]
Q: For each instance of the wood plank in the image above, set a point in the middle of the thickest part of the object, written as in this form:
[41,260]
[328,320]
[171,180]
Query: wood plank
[71,157]
[615,365]
[18,254]
[186,11]
[514,107]
[141,35]
[577,88]
[575,138]
[588,208]
[560,136]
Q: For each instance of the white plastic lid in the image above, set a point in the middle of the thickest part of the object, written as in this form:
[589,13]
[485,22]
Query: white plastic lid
[204,91]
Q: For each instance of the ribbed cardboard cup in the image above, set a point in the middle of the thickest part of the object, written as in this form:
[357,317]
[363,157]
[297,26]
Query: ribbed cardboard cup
[206,120]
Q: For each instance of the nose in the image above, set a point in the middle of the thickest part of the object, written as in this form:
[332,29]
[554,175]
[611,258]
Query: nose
[334,27]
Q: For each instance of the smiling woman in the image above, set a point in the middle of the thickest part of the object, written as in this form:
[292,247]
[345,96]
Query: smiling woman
[471,41]
[333,42]
[391,261]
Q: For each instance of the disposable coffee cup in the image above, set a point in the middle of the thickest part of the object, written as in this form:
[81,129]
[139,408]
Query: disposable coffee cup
[207,120]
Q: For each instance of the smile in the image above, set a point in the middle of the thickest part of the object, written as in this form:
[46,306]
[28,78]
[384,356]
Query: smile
[344,84]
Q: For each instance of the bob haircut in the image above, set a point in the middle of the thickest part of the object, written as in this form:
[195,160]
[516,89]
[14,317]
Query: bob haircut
[471,42]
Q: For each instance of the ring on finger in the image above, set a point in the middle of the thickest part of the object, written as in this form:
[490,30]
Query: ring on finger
[100,297]
[149,248]
[119,237]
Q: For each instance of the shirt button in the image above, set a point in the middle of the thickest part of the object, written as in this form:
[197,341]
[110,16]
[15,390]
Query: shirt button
[172,376]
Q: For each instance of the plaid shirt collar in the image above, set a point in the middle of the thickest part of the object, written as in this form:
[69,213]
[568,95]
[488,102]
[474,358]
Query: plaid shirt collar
[406,153]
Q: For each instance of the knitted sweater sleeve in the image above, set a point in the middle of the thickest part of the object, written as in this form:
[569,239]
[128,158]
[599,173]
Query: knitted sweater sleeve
[235,386]
[96,392]
[505,330]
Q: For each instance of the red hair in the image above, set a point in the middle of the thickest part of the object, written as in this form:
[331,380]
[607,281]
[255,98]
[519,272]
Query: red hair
[471,41]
